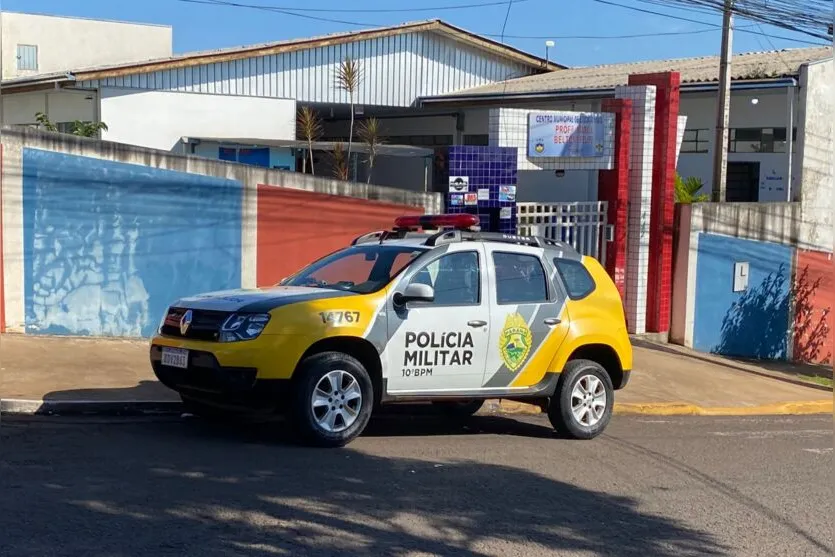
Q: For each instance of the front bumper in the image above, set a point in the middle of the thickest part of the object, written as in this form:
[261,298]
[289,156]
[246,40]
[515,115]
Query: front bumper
[206,380]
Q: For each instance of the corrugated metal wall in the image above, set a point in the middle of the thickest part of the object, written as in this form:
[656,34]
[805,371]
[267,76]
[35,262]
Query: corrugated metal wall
[396,71]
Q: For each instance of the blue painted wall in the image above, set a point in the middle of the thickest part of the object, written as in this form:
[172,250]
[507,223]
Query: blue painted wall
[753,323]
[108,245]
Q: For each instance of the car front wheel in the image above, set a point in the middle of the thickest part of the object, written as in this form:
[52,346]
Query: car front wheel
[332,401]
[582,405]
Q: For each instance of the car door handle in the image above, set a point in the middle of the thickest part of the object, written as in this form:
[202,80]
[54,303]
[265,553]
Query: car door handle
[476,323]
[551,321]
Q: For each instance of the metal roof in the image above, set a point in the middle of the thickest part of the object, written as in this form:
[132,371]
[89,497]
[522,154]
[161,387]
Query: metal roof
[356,147]
[243,52]
[747,66]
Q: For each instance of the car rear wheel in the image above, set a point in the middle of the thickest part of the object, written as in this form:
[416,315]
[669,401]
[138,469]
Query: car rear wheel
[333,400]
[459,408]
[582,406]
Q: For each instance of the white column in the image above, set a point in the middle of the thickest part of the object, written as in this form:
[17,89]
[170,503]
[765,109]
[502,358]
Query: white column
[640,194]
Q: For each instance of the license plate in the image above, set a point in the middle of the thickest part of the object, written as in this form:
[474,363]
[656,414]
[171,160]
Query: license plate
[175,357]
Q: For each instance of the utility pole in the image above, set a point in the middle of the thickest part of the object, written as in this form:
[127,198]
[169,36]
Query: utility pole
[723,106]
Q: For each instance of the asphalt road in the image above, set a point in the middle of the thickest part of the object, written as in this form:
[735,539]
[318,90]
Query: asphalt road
[417,486]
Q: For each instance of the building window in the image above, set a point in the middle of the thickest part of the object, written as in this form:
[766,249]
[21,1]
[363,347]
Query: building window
[759,140]
[27,57]
[476,139]
[780,140]
[695,141]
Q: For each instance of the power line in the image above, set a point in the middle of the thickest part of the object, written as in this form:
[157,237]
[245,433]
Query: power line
[271,7]
[680,18]
[712,27]
[808,17]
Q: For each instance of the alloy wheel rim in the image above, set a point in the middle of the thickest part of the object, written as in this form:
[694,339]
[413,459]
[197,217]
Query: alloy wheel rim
[336,401]
[588,400]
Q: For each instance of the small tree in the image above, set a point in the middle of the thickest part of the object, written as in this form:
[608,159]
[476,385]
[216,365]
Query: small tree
[81,128]
[348,79]
[340,161]
[88,129]
[687,190]
[310,125]
[43,120]
[369,132]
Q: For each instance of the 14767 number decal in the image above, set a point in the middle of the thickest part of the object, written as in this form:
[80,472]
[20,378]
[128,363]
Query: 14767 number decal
[339,317]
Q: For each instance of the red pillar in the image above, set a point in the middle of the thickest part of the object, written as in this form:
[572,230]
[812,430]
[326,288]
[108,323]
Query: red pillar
[660,273]
[613,187]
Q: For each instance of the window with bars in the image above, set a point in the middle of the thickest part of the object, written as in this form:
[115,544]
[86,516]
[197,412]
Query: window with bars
[695,141]
[27,57]
[759,140]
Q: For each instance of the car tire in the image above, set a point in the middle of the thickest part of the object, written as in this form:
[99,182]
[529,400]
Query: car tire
[336,420]
[459,409]
[575,413]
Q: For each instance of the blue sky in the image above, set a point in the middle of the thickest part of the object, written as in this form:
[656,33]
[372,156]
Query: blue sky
[200,26]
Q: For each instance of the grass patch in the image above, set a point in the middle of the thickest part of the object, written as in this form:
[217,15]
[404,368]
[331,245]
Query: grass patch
[818,380]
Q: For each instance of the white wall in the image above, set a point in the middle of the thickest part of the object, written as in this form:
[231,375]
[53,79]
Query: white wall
[159,119]
[67,43]
[60,106]
[771,110]
[816,150]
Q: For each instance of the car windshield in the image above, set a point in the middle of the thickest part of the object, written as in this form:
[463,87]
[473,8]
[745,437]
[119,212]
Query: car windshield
[360,269]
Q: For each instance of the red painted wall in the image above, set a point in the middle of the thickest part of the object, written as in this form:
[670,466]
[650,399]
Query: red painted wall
[613,186]
[681,262]
[660,272]
[296,227]
[814,299]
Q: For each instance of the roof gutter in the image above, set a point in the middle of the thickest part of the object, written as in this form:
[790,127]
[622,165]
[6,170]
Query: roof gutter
[20,84]
[598,93]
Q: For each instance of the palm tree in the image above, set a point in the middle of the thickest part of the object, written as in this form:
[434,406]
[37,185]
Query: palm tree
[340,161]
[369,132]
[310,125]
[687,188]
[348,79]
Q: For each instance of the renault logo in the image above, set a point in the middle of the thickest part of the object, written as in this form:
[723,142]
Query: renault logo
[185,322]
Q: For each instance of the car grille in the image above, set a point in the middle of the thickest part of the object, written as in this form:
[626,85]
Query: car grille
[205,325]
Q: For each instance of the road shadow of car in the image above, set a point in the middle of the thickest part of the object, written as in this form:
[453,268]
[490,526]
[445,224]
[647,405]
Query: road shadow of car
[140,488]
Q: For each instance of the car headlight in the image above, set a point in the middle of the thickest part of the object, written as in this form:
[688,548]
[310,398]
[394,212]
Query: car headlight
[243,327]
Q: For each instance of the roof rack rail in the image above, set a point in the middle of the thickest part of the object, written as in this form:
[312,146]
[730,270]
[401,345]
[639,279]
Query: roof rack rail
[369,237]
[450,236]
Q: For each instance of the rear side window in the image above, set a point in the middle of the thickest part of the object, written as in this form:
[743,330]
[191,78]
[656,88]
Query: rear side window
[578,282]
[520,279]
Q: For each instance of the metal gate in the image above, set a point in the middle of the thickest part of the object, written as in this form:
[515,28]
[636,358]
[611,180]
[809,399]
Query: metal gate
[581,224]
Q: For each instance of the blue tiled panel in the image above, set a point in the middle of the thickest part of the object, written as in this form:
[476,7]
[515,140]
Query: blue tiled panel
[487,168]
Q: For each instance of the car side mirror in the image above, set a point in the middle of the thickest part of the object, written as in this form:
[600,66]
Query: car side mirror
[414,292]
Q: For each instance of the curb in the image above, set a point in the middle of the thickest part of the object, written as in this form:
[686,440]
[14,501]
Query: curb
[89,407]
[681,408]
[157,407]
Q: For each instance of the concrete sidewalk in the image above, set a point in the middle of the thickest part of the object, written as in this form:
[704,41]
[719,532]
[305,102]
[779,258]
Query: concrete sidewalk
[43,373]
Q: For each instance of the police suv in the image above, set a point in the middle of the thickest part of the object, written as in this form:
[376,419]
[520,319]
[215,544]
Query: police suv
[433,310]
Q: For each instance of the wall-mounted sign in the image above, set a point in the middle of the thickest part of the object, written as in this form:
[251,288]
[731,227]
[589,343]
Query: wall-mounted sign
[459,184]
[505,212]
[570,134]
[507,193]
[470,199]
[484,194]
[456,199]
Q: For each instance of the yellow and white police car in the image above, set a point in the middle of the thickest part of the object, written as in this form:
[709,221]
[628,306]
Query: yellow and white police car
[432,310]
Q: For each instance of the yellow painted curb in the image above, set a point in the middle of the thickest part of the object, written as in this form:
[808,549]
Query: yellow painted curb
[687,409]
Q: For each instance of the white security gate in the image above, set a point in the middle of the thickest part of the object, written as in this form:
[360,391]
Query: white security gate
[581,224]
